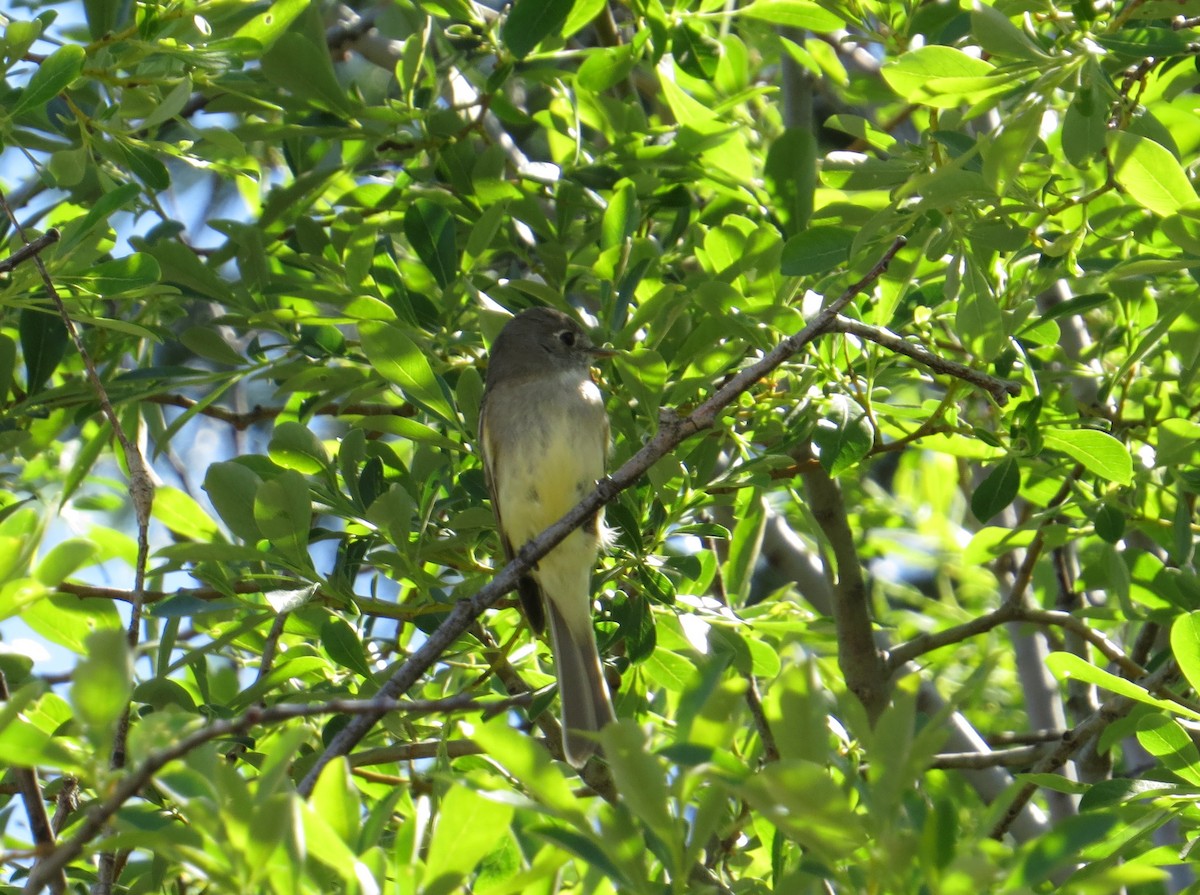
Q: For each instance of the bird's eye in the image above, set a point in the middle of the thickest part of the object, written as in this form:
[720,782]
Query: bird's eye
[567,338]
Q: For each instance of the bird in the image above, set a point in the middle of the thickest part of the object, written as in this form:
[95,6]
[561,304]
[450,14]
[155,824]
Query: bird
[544,436]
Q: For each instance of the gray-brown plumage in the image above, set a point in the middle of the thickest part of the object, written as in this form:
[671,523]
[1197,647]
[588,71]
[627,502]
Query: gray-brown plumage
[544,439]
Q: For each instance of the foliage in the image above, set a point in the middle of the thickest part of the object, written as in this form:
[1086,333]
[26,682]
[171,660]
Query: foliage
[289,230]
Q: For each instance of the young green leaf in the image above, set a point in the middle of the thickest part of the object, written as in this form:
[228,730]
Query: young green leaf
[997,490]
[1149,173]
[1099,452]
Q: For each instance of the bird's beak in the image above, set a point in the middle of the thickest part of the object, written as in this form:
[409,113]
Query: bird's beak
[603,353]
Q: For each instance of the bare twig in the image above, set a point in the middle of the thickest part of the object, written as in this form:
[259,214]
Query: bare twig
[365,605]
[245,419]
[29,250]
[1075,739]
[1000,389]
[673,430]
[1015,757]
[1010,612]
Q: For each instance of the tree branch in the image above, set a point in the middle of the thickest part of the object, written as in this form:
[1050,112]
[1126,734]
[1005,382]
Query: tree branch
[866,674]
[1113,709]
[1000,389]
[29,250]
[245,419]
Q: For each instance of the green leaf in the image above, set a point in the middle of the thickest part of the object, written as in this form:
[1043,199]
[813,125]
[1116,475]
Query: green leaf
[695,52]
[294,446]
[180,513]
[529,763]
[68,621]
[1185,644]
[430,230]
[746,544]
[1167,741]
[1110,523]
[105,16]
[1005,152]
[604,67]
[208,343]
[8,364]
[103,680]
[621,216]
[43,344]
[342,642]
[1143,43]
[1099,452]
[641,780]
[979,322]
[298,65]
[529,22]
[64,559]
[940,76]
[843,436]
[1061,850]
[998,36]
[144,165]
[336,800]
[1149,173]
[104,207]
[58,70]
[816,251]
[270,24]
[283,511]
[231,487]
[794,13]
[135,271]
[997,490]
[401,361]
[790,178]
[468,827]
[1085,126]
[802,800]
[1066,665]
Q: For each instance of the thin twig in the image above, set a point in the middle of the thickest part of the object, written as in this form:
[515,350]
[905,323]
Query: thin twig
[29,250]
[245,419]
[1073,740]
[1015,757]
[365,605]
[1000,389]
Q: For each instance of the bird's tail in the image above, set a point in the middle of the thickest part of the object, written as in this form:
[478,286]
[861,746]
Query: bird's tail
[586,706]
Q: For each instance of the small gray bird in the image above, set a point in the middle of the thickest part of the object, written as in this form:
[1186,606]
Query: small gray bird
[544,439]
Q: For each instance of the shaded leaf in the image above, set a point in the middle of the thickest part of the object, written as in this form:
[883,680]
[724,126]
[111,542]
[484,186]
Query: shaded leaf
[43,345]
[997,490]
[529,22]
[430,229]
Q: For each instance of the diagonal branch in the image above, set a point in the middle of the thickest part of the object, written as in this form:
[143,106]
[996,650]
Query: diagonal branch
[1000,389]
